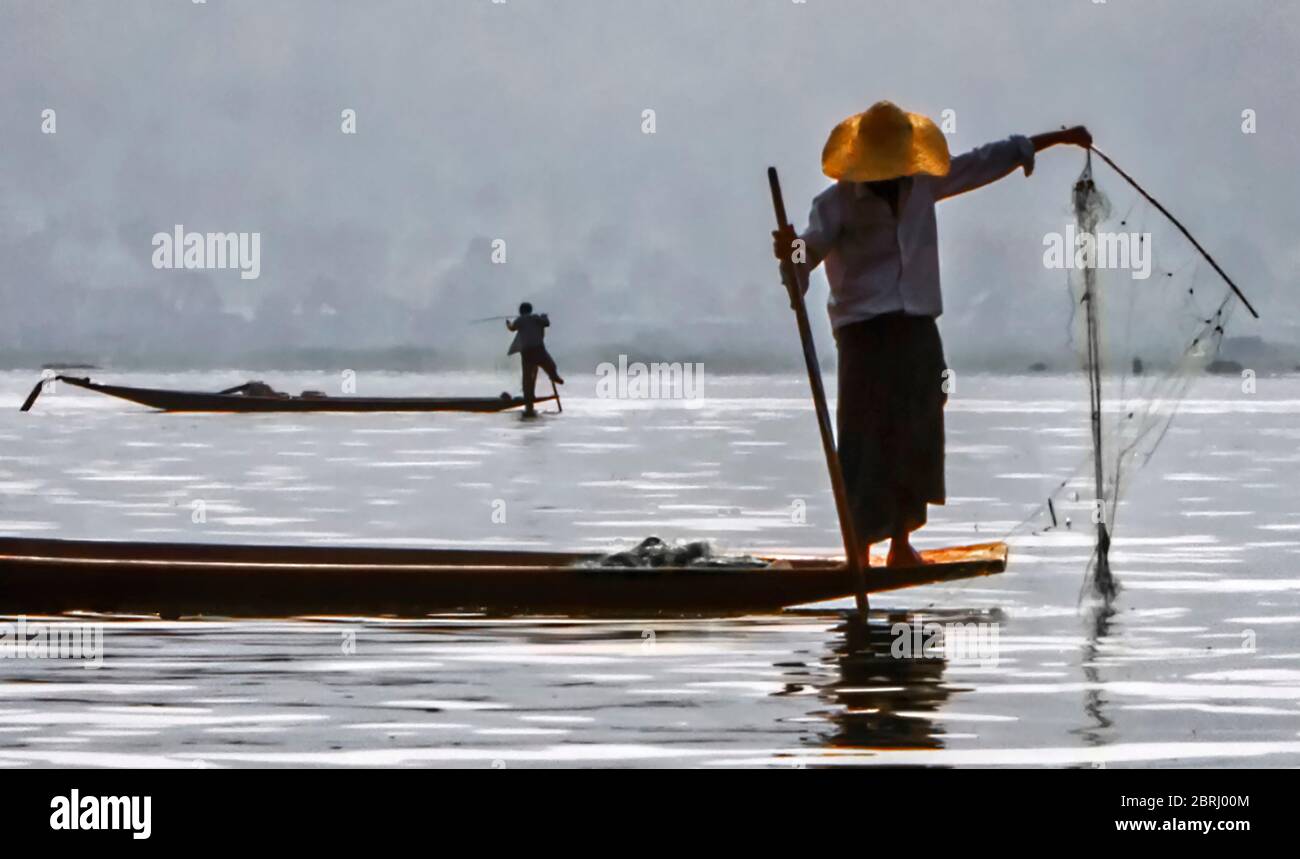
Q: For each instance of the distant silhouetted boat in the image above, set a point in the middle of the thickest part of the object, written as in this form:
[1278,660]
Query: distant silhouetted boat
[257,397]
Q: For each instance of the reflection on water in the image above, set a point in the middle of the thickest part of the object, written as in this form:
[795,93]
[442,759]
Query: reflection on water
[878,700]
[1197,664]
[1099,616]
[807,690]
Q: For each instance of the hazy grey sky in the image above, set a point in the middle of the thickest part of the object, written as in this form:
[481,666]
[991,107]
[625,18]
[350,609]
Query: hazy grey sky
[523,121]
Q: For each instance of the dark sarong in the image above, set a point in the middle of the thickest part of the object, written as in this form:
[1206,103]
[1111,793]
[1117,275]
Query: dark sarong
[890,419]
[534,358]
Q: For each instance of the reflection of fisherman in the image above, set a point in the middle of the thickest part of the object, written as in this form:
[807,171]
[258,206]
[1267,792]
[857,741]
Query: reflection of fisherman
[530,334]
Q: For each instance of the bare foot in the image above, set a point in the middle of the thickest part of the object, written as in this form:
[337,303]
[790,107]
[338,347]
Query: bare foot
[901,554]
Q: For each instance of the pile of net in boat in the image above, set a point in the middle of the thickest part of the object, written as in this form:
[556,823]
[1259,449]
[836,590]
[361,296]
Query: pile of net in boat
[653,552]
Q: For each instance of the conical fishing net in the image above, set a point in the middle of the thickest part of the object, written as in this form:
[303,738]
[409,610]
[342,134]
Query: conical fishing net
[1149,314]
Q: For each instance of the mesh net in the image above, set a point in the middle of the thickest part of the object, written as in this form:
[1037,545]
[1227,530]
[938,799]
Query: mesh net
[1149,314]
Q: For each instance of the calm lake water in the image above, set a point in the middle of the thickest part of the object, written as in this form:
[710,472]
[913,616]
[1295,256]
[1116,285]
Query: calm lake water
[1197,665]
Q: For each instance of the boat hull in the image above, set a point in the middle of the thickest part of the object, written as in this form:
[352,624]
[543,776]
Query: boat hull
[201,401]
[170,579]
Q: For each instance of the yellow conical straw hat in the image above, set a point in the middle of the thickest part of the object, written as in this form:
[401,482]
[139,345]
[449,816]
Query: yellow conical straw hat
[885,142]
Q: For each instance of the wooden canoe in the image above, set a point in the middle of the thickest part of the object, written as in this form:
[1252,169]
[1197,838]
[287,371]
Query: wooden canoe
[44,576]
[206,401]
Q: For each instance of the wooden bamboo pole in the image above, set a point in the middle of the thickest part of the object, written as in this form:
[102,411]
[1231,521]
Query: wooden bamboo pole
[793,277]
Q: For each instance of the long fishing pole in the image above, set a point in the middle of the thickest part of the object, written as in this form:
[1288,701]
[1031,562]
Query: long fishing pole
[793,276]
[1103,580]
[1153,201]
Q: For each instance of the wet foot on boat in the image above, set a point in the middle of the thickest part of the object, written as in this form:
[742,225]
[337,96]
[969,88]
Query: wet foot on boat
[901,554]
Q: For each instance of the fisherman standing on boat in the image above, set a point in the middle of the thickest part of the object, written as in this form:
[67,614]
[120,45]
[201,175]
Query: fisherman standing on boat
[875,230]
[529,342]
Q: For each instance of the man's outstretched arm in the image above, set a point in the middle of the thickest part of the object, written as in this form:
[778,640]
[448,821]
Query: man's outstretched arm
[992,161]
[1077,136]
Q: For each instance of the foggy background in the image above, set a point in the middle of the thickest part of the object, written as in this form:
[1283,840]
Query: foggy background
[522,121]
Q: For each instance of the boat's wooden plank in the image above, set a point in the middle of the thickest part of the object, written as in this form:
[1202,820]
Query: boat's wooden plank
[148,550]
[107,577]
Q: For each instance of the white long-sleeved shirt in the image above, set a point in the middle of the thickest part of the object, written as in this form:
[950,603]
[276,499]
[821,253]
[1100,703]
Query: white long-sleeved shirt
[879,264]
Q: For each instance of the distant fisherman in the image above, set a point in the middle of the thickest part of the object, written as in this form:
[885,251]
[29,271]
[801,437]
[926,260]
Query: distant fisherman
[530,335]
[875,230]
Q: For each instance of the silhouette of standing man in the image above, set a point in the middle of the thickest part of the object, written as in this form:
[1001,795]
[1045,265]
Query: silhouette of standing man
[875,233]
[529,342]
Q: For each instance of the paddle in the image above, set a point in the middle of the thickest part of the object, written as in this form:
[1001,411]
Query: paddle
[793,277]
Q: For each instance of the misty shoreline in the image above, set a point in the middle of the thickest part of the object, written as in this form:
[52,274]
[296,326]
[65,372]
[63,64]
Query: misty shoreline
[1260,356]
